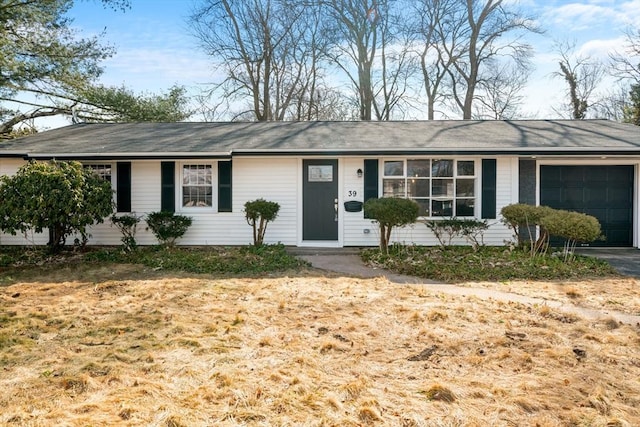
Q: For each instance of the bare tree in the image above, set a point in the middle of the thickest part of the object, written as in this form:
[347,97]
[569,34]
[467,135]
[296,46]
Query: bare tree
[433,28]
[478,45]
[583,74]
[396,67]
[626,64]
[613,103]
[371,47]
[501,96]
[355,29]
[268,50]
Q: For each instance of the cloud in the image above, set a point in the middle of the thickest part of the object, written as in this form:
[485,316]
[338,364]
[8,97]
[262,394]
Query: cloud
[591,15]
[579,16]
[601,48]
[166,64]
[631,13]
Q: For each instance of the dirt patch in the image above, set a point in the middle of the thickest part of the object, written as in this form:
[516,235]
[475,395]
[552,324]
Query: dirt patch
[307,351]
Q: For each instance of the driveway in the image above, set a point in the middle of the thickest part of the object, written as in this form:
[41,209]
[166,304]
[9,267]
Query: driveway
[625,260]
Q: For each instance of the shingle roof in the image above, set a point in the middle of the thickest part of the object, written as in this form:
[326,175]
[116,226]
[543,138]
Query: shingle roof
[190,139]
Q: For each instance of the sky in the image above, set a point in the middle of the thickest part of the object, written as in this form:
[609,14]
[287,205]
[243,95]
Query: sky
[155,49]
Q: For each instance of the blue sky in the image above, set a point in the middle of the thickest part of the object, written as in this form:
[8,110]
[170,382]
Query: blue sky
[155,49]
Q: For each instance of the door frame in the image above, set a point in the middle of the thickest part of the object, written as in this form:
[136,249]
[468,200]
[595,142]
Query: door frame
[319,243]
[601,162]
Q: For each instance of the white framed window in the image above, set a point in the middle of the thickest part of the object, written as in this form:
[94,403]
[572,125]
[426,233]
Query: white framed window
[103,170]
[197,185]
[441,187]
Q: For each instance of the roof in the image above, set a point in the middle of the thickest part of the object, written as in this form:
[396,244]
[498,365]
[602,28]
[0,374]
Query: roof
[192,139]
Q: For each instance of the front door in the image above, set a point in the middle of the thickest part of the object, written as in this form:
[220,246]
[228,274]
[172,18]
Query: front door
[320,199]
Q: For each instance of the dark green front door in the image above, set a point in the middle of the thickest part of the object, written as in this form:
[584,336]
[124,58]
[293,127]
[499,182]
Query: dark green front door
[320,199]
[605,192]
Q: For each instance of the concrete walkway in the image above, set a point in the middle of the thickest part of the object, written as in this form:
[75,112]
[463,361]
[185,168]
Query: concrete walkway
[349,263]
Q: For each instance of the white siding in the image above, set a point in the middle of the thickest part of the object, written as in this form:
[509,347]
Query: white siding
[10,167]
[278,180]
[271,179]
[145,198]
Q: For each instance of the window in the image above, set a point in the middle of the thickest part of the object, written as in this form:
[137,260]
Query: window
[102,170]
[197,186]
[441,187]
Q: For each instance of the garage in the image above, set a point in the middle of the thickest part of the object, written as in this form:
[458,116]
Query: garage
[605,192]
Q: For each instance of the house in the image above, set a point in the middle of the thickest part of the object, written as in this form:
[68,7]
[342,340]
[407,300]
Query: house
[319,171]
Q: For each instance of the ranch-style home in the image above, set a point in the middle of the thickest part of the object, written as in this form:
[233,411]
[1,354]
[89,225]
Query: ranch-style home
[321,172]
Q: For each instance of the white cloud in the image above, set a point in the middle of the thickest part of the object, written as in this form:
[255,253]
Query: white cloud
[601,48]
[631,12]
[166,65]
[579,16]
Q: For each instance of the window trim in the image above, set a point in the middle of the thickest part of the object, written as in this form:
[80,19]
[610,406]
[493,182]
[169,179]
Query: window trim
[180,186]
[476,177]
[112,167]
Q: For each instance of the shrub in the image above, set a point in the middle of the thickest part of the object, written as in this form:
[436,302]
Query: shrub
[127,225]
[258,214]
[446,230]
[63,197]
[391,212]
[523,219]
[575,227]
[167,226]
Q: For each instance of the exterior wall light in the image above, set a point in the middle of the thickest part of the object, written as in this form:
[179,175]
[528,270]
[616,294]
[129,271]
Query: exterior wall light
[359,172]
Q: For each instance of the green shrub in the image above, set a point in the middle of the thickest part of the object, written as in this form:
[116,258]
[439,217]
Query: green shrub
[258,214]
[523,219]
[391,212]
[63,197]
[167,226]
[575,227]
[127,225]
[446,230]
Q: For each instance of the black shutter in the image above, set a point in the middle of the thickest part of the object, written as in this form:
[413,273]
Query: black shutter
[370,180]
[168,186]
[123,186]
[224,186]
[488,188]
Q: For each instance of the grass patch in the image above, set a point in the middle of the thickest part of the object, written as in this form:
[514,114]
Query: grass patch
[461,263]
[243,260]
[222,260]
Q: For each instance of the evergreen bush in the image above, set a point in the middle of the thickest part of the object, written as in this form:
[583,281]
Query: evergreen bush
[168,226]
[391,212]
[258,214]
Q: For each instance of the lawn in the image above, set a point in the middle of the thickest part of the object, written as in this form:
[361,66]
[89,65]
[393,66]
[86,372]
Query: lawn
[106,343]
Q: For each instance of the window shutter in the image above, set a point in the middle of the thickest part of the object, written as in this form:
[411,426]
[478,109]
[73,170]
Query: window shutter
[168,186]
[370,180]
[224,186]
[123,186]
[488,188]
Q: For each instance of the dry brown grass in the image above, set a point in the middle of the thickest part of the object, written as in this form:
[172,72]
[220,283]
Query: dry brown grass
[618,293]
[115,348]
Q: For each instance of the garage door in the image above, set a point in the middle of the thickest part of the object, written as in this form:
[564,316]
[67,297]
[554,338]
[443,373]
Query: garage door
[605,192]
